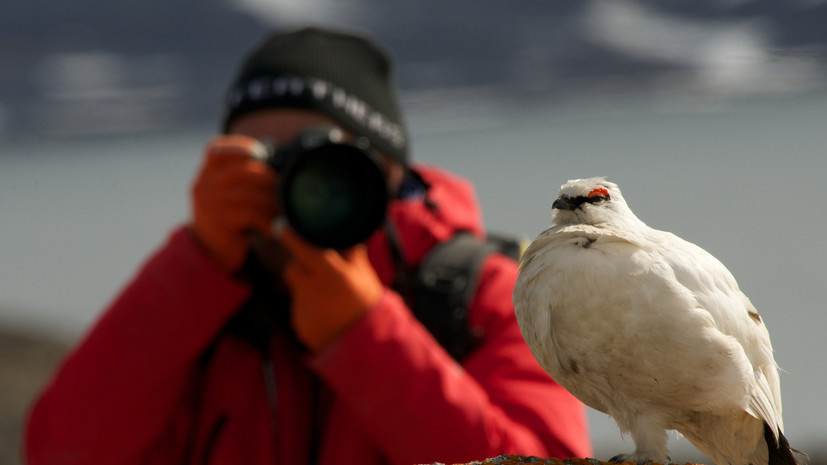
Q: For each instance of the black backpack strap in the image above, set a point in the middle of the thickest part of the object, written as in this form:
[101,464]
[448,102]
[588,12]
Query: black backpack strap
[445,285]
[510,246]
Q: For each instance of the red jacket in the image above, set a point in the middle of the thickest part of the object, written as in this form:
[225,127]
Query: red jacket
[388,392]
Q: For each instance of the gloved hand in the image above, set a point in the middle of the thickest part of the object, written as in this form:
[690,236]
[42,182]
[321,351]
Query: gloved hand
[330,290]
[233,195]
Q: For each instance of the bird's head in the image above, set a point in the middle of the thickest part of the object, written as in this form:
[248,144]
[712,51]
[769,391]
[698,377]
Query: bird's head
[591,201]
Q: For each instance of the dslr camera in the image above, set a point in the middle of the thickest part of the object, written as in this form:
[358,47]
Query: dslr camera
[333,193]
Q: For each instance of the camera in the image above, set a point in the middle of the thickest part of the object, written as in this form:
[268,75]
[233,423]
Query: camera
[333,193]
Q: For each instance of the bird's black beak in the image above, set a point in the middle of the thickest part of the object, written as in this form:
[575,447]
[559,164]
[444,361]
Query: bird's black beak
[564,203]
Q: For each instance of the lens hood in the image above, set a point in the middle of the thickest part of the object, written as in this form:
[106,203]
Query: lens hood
[334,195]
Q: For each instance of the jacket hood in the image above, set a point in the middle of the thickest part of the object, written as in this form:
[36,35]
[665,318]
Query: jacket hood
[450,205]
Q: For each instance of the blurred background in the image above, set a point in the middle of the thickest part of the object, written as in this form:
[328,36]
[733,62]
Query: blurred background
[709,114]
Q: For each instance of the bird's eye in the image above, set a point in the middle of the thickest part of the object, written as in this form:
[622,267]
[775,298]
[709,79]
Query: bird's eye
[599,192]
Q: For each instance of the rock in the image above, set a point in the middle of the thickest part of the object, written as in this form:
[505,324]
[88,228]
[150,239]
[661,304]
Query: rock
[509,459]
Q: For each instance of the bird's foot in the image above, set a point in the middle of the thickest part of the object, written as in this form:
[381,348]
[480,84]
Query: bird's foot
[640,459]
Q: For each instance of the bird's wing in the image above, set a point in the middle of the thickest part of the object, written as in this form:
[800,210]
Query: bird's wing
[717,292]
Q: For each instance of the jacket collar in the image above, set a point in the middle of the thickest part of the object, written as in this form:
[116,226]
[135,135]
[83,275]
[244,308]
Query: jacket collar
[420,222]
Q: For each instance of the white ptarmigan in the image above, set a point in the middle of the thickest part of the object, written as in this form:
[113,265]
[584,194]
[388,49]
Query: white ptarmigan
[650,329]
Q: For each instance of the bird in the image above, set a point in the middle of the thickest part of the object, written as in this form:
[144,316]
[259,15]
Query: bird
[650,329]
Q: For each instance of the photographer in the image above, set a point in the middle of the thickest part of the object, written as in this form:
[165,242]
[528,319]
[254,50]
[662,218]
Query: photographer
[243,343]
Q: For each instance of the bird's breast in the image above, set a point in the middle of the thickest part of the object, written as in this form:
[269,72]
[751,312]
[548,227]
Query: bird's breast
[606,318]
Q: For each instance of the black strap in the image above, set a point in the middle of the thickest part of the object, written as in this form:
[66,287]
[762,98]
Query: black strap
[445,286]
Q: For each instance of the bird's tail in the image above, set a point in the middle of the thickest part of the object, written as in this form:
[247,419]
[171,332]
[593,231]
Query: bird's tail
[780,452]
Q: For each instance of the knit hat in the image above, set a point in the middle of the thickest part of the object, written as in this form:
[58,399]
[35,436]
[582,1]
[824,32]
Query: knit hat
[345,76]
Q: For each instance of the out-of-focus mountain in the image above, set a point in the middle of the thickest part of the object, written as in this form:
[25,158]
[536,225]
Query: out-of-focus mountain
[90,67]
[96,67]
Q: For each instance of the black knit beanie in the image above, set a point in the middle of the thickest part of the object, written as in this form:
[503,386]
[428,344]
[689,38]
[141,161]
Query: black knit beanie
[345,76]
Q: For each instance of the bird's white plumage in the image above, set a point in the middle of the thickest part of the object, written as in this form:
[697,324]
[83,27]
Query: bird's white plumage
[648,328]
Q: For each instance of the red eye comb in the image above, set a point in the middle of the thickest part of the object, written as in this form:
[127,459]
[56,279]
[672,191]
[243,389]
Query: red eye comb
[600,191]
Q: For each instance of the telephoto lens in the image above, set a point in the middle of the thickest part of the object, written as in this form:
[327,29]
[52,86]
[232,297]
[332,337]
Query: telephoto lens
[334,194]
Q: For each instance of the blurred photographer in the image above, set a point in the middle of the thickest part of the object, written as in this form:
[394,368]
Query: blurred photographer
[243,342]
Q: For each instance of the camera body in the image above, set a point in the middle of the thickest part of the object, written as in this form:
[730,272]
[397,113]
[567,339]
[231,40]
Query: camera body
[333,193]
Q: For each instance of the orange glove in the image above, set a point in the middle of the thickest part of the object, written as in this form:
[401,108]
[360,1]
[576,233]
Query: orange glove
[233,195]
[331,290]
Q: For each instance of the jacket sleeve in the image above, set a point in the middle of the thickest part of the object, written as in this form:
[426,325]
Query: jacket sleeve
[420,406]
[113,396]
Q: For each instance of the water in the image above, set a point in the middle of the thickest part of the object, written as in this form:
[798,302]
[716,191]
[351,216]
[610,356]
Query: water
[744,181]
